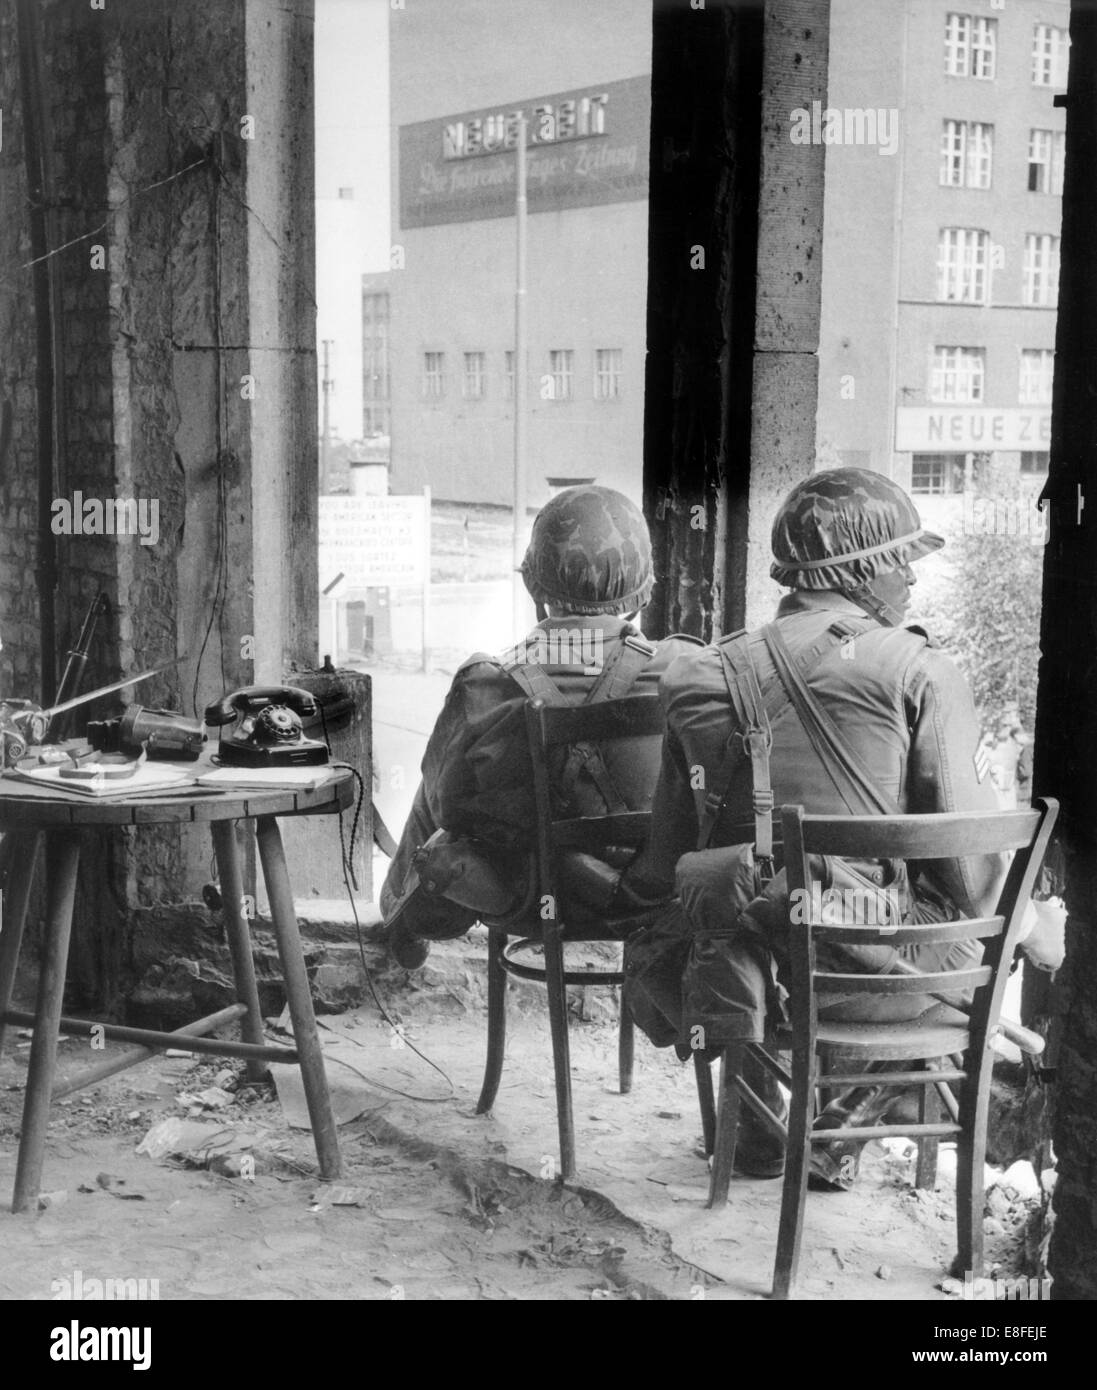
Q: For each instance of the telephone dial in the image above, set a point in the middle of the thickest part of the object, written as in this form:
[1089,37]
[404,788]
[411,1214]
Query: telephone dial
[267,727]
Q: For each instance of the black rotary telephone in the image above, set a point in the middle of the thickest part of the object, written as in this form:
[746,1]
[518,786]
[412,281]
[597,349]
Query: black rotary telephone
[267,728]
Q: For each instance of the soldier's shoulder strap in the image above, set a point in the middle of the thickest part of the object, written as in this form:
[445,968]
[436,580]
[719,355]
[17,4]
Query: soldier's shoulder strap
[533,679]
[620,672]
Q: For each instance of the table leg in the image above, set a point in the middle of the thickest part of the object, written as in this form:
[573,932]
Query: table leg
[63,861]
[239,934]
[24,859]
[305,1033]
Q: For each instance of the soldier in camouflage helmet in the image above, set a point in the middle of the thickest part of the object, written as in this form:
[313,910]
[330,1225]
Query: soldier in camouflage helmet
[589,553]
[843,542]
[589,571]
[855,532]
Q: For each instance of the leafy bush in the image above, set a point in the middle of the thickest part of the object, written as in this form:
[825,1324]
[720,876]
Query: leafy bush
[989,620]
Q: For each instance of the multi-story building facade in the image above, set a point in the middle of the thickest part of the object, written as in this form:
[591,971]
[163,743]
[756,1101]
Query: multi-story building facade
[944,168]
[941,256]
[459,76]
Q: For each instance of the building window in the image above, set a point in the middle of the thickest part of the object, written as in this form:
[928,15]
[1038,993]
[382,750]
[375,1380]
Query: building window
[1037,374]
[958,374]
[434,375]
[1035,462]
[970,43]
[966,149]
[963,256]
[1041,269]
[473,381]
[607,374]
[1046,152]
[1050,47]
[508,375]
[561,365]
[937,474]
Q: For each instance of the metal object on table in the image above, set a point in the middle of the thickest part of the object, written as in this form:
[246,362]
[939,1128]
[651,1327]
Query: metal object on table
[160,733]
[75,662]
[62,823]
[24,723]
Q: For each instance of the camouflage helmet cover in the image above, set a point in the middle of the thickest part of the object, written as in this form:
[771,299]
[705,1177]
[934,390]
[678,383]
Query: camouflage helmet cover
[590,552]
[843,527]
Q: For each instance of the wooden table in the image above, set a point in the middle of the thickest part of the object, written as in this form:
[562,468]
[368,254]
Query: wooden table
[32,815]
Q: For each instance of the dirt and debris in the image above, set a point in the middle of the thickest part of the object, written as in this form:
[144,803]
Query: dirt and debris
[436,1202]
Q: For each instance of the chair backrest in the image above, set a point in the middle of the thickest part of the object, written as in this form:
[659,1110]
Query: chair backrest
[911,838]
[553,728]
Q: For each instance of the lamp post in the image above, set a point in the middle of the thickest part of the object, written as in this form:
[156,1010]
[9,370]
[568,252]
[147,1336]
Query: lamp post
[326,385]
[520,208]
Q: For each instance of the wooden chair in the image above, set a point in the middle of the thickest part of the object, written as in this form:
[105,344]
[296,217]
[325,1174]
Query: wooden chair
[962,1038]
[551,729]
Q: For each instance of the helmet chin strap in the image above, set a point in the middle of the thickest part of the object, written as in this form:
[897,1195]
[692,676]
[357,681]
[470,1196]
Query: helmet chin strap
[871,603]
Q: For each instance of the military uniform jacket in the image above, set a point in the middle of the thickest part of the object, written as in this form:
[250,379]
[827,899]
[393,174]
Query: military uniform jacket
[477,779]
[902,705]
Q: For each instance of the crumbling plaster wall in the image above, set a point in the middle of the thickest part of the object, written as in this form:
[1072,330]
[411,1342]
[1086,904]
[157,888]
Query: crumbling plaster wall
[189,375]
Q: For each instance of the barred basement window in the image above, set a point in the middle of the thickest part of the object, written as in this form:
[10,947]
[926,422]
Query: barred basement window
[958,374]
[963,255]
[1037,375]
[607,374]
[1041,269]
[966,153]
[970,45]
[472,384]
[561,365]
[434,375]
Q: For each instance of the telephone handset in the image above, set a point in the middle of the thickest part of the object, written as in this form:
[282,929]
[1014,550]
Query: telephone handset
[267,728]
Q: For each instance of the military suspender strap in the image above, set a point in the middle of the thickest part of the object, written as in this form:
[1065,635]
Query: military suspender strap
[852,780]
[614,681]
[751,736]
[621,670]
[617,677]
[757,741]
[739,672]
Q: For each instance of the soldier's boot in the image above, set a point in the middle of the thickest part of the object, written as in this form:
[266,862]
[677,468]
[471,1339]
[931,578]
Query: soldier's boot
[834,1167]
[409,951]
[759,1152]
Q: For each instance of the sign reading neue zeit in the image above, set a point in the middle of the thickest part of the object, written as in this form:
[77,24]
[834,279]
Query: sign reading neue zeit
[584,147]
[973,428]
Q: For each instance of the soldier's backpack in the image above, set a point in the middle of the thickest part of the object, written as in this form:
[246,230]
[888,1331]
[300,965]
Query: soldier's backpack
[466,872]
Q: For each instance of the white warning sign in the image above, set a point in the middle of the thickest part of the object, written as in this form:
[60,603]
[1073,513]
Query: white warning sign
[374,541]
